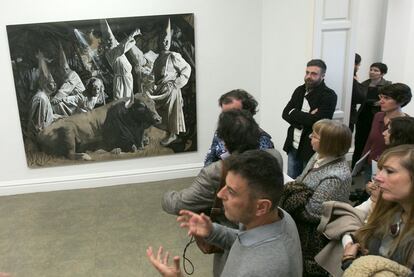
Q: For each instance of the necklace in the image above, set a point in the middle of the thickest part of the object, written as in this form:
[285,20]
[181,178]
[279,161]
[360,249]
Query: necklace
[396,227]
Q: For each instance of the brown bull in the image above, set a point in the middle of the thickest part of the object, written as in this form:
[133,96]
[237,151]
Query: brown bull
[108,127]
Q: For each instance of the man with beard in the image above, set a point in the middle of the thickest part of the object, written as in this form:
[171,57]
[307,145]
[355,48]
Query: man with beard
[267,242]
[310,102]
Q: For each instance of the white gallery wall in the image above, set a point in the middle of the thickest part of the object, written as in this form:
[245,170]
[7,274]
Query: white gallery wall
[261,46]
[369,40]
[399,45]
[287,47]
[385,34]
[228,55]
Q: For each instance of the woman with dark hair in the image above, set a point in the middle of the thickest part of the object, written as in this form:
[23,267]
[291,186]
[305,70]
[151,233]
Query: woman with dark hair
[389,231]
[400,131]
[241,100]
[369,106]
[392,99]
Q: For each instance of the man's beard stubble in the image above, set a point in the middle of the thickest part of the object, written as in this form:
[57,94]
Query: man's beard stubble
[310,84]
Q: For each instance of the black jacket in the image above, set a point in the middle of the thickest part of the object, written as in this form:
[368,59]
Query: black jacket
[321,98]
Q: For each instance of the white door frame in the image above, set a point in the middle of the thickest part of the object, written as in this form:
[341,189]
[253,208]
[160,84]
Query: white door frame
[334,42]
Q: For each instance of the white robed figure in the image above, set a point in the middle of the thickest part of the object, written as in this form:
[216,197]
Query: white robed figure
[171,73]
[65,101]
[41,113]
[115,54]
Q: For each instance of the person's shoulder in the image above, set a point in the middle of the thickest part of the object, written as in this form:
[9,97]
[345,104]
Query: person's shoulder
[275,153]
[327,90]
[214,168]
[385,82]
[288,227]
[337,163]
[265,140]
[287,218]
[340,171]
[379,115]
[300,88]
[263,133]
[366,82]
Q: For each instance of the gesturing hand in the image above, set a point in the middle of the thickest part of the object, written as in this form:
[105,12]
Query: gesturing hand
[161,263]
[372,188]
[351,249]
[197,224]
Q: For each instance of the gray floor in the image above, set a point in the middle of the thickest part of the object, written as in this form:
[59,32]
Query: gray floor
[91,232]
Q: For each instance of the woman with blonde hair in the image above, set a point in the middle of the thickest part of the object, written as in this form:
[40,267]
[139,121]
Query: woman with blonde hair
[327,172]
[326,177]
[389,231]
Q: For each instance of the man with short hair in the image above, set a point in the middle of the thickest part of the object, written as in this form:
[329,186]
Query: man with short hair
[240,132]
[310,102]
[235,99]
[267,243]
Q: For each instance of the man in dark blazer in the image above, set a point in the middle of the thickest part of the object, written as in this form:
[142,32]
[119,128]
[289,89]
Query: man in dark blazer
[310,102]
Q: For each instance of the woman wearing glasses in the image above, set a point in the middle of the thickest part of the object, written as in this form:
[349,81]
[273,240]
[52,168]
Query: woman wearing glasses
[326,177]
[392,99]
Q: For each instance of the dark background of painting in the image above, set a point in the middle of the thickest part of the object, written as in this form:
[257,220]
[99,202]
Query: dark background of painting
[25,41]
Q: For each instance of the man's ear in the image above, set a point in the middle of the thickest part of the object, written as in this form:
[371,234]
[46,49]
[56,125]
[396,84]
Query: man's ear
[263,206]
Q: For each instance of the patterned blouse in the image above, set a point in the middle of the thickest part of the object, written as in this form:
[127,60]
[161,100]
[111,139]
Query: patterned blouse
[218,150]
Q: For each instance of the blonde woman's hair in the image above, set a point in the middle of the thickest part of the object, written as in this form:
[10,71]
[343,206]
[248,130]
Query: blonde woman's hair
[384,212]
[335,137]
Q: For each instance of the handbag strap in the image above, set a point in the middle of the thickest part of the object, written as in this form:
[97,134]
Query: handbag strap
[217,208]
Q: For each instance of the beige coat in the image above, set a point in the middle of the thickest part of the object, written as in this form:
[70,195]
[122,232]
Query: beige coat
[337,219]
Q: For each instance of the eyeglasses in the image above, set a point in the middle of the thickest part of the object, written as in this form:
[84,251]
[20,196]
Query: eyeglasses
[313,135]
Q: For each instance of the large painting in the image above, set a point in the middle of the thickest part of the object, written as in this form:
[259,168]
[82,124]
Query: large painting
[105,89]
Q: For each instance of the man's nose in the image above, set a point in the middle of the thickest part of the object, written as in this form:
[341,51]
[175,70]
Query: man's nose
[221,193]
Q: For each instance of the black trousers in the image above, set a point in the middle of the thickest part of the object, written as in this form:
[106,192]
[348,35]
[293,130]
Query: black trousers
[362,130]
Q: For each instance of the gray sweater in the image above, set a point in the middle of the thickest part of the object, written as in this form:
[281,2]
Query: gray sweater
[266,251]
[331,181]
[199,197]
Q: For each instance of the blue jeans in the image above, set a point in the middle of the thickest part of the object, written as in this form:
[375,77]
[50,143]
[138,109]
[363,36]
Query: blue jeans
[295,164]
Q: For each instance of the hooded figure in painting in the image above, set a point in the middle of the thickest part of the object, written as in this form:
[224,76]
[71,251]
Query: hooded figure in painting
[115,54]
[171,73]
[65,100]
[41,112]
